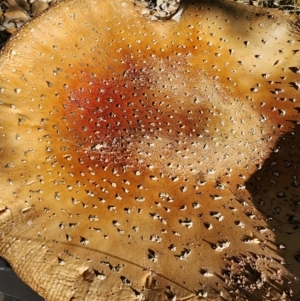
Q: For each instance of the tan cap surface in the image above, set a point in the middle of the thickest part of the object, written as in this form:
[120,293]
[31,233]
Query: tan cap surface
[128,149]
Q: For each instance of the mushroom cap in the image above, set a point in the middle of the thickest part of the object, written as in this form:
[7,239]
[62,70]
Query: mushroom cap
[126,146]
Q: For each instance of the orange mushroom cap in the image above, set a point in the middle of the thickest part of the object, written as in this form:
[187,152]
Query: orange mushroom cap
[126,147]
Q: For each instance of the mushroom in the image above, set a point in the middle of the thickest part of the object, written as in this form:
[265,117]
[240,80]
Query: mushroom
[111,124]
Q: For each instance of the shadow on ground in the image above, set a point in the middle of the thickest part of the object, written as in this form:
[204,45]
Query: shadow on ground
[275,191]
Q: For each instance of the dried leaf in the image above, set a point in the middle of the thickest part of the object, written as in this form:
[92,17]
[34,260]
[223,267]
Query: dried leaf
[16,14]
[14,18]
[1,16]
[38,7]
[11,3]
[24,5]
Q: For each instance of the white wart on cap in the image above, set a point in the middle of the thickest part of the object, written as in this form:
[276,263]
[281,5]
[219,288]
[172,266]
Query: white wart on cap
[126,145]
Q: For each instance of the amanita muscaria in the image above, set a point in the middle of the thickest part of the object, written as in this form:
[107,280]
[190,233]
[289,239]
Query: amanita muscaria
[126,146]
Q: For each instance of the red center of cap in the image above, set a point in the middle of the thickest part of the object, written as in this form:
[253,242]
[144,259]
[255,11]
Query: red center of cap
[126,119]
